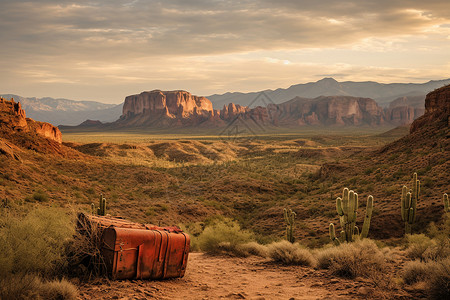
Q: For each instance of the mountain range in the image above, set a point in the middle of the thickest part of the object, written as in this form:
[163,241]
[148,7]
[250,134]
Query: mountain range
[403,101]
[382,93]
[175,109]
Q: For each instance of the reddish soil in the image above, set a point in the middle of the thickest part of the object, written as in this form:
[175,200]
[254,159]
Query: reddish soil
[220,277]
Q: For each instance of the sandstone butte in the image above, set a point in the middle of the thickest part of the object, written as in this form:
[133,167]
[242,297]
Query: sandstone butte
[180,108]
[13,119]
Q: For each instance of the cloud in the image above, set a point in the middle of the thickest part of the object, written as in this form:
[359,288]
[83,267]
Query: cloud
[85,41]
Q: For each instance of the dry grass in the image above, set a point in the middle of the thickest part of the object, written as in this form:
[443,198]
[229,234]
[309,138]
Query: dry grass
[427,249]
[32,248]
[435,275]
[224,236]
[361,258]
[439,280]
[35,243]
[30,286]
[415,271]
[253,248]
[290,254]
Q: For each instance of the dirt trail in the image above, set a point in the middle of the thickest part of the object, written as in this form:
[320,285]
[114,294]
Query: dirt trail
[210,277]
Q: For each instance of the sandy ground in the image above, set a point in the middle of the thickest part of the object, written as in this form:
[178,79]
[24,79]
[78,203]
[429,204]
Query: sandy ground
[211,277]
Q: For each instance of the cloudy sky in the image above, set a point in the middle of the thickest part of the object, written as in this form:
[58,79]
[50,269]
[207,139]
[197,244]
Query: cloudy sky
[105,50]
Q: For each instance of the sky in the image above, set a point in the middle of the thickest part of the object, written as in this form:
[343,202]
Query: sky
[105,50]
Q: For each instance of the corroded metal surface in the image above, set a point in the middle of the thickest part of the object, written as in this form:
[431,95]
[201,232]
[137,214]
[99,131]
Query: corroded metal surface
[138,251]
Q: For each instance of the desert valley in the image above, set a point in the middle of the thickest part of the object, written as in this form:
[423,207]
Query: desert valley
[223,149]
[225,176]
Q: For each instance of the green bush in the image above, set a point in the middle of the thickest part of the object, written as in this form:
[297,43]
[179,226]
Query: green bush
[290,254]
[361,258]
[32,246]
[223,236]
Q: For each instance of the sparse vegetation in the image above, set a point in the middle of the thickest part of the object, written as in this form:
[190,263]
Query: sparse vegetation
[361,258]
[32,255]
[290,254]
[224,236]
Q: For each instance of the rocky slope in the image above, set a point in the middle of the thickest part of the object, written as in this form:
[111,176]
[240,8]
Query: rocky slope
[16,130]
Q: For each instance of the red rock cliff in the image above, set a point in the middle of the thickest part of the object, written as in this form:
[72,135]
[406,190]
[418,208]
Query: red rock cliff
[437,110]
[180,105]
[13,119]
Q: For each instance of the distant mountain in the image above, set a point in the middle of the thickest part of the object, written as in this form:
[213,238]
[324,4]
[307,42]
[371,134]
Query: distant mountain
[162,109]
[66,112]
[382,93]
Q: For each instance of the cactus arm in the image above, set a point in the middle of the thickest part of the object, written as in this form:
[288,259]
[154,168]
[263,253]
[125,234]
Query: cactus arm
[339,206]
[356,230]
[333,237]
[403,203]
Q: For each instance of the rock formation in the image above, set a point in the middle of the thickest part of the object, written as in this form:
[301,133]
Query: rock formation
[437,111]
[13,119]
[159,108]
[181,109]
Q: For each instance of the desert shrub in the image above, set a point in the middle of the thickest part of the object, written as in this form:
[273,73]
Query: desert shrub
[30,286]
[58,289]
[361,258]
[290,254]
[253,248]
[439,280]
[38,196]
[415,271]
[223,236]
[36,241]
[435,274]
[32,246]
[424,248]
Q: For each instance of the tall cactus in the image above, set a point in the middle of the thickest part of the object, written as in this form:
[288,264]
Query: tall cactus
[289,218]
[446,203]
[409,204]
[347,208]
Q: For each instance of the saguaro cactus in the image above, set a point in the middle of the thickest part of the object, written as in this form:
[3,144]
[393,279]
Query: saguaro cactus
[289,218]
[102,208]
[409,204]
[446,204]
[347,208]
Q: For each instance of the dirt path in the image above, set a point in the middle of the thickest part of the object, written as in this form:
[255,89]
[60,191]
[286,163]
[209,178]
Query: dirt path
[210,277]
